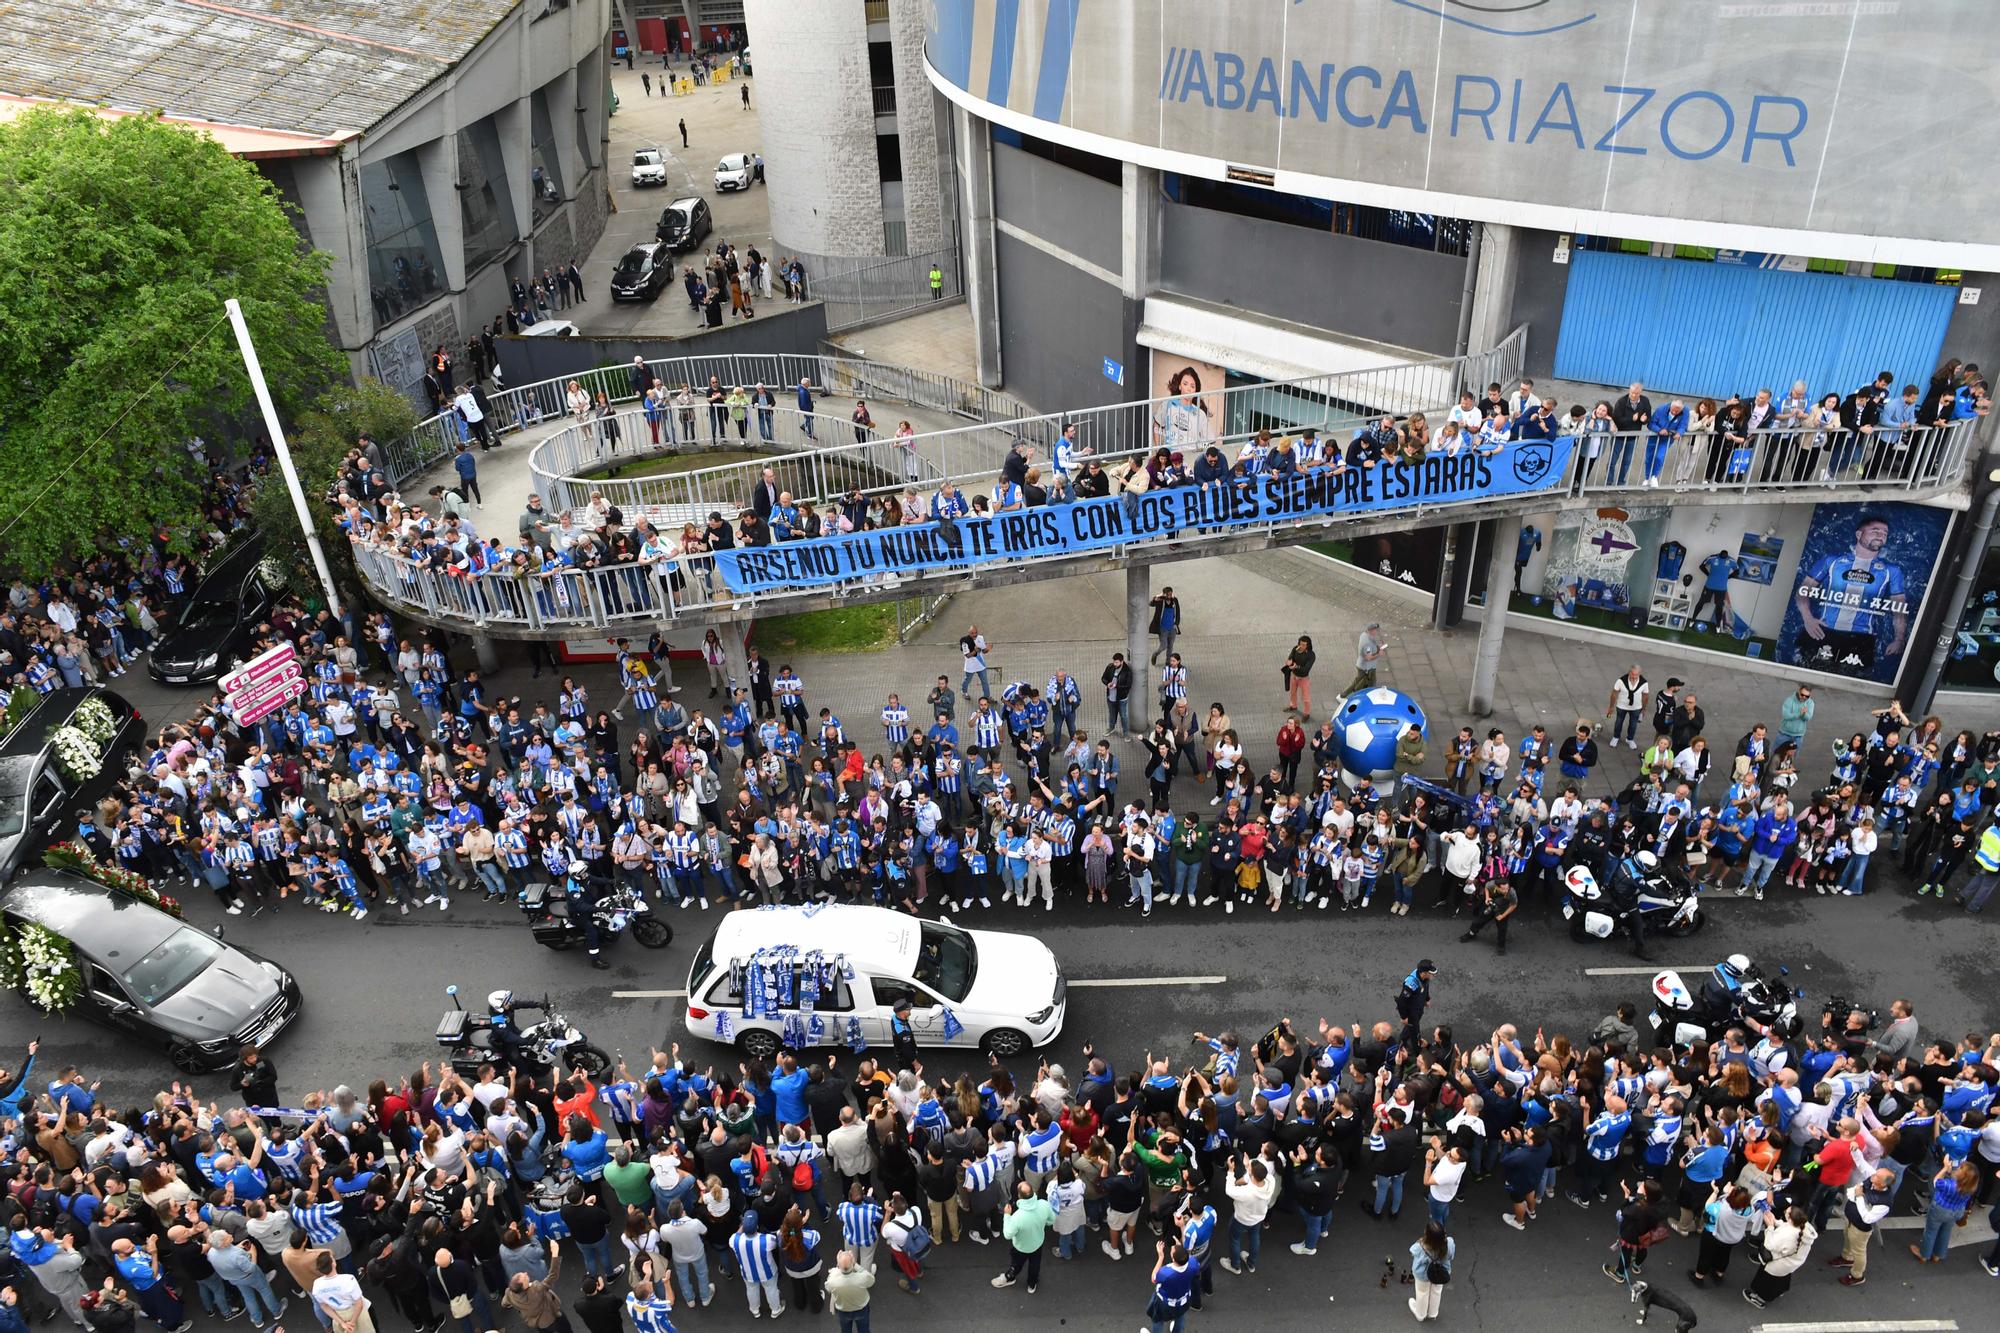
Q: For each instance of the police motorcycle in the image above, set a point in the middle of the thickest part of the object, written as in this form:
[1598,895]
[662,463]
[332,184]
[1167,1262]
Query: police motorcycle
[1640,887]
[496,1039]
[1735,992]
[590,911]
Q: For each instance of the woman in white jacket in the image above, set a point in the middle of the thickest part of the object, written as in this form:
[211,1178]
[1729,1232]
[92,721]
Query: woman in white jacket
[1787,1243]
[1253,1188]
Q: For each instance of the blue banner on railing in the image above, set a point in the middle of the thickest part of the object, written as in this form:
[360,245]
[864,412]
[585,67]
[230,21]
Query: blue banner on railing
[1067,529]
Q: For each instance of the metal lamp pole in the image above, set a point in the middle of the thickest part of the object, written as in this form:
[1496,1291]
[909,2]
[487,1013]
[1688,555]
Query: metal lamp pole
[263,392]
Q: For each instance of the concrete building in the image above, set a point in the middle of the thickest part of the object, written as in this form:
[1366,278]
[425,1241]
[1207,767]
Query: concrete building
[851,127]
[1259,192]
[434,150]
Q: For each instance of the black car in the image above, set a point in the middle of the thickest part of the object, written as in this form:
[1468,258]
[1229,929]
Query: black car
[684,224]
[38,796]
[161,979]
[643,273]
[217,628]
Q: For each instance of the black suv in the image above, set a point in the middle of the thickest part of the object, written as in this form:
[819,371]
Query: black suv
[217,628]
[684,224]
[643,273]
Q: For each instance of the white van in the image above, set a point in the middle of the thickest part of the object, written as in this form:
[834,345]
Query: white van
[1005,990]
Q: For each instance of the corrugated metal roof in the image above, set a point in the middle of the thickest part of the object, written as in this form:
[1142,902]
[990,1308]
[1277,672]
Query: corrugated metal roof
[320,67]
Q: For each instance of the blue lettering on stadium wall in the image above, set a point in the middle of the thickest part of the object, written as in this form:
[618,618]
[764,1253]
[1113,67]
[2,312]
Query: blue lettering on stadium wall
[1692,124]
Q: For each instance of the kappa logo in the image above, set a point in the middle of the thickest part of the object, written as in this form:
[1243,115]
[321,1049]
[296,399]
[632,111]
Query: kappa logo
[1509,18]
[1852,659]
[1532,461]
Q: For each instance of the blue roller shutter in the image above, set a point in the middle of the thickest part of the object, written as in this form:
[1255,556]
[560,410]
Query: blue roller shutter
[1699,329]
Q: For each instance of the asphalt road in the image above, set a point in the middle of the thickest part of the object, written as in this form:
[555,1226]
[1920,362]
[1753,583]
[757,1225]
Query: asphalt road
[717,125]
[375,989]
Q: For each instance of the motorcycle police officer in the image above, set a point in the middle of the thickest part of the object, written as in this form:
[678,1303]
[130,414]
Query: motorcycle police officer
[501,1006]
[586,894]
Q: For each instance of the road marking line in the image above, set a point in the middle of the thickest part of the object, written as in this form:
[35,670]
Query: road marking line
[649,995]
[1105,982]
[1645,971]
[1861,1325]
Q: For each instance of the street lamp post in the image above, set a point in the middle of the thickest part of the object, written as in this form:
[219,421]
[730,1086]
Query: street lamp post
[263,392]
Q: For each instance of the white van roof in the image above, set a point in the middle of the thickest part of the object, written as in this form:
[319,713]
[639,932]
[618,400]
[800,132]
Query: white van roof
[874,939]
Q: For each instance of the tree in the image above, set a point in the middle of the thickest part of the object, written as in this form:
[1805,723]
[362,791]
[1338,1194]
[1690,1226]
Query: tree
[120,238]
[320,441]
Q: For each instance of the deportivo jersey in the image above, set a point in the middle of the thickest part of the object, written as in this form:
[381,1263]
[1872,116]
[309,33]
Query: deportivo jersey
[1850,594]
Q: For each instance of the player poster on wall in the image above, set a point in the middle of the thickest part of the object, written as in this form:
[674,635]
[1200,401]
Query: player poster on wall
[1863,571]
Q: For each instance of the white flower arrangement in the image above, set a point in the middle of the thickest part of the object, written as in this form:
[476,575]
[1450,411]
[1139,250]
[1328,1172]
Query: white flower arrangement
[11,975]
[47,970]
[93,718]
[80,757]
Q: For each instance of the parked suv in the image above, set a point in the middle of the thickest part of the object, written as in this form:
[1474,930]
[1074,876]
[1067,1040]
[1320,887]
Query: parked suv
[649,167]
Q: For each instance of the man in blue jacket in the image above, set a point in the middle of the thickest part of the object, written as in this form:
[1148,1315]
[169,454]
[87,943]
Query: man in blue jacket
[1668,424]
[1774,835]
[806,408]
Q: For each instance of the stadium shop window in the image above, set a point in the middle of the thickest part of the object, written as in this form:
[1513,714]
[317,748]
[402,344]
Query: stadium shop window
[1393,226]
[1973,660]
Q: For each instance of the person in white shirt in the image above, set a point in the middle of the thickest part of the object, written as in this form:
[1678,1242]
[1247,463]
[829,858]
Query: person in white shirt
[1627,705]
[338,1299]
[1442,1173]
[1252,1188]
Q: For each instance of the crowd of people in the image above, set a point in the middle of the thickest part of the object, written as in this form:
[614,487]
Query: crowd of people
[454,1196]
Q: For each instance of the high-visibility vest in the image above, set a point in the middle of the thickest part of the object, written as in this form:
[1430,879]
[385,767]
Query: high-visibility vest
[1988,854]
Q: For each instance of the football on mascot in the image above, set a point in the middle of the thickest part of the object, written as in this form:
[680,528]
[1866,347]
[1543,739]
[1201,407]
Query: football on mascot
[1369,724]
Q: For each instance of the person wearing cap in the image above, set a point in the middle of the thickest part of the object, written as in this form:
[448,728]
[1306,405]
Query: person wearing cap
[1369,651]
[1414,996]
[902,1036]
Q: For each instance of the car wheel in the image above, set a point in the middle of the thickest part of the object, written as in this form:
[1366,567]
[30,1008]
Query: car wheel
[757,1043]
[186,1059]
[1005,1043]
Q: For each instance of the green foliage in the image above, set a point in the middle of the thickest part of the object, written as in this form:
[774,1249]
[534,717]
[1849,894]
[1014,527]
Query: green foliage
[320,440]
[20,703]
[119,241]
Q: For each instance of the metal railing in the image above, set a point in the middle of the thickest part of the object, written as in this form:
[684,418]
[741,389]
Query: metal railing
[860,291]
[529,405]
[1322,402]
[1769,465]
[885,99]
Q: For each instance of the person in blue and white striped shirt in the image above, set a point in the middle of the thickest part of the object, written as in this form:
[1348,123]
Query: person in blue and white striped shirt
[757,1259]
[861,1224]
[320,1221]
[650,1309]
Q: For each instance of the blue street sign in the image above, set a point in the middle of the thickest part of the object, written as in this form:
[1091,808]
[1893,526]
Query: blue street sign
[1113,371]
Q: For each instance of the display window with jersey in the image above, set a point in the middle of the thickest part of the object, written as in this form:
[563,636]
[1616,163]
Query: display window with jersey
[1830,588]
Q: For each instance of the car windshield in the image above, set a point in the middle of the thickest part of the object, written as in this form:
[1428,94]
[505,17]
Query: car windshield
[947,960]
[646,157]
[179,958]
[14,775]
[208,615]
[674,223]
[730,163]
[633,264]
